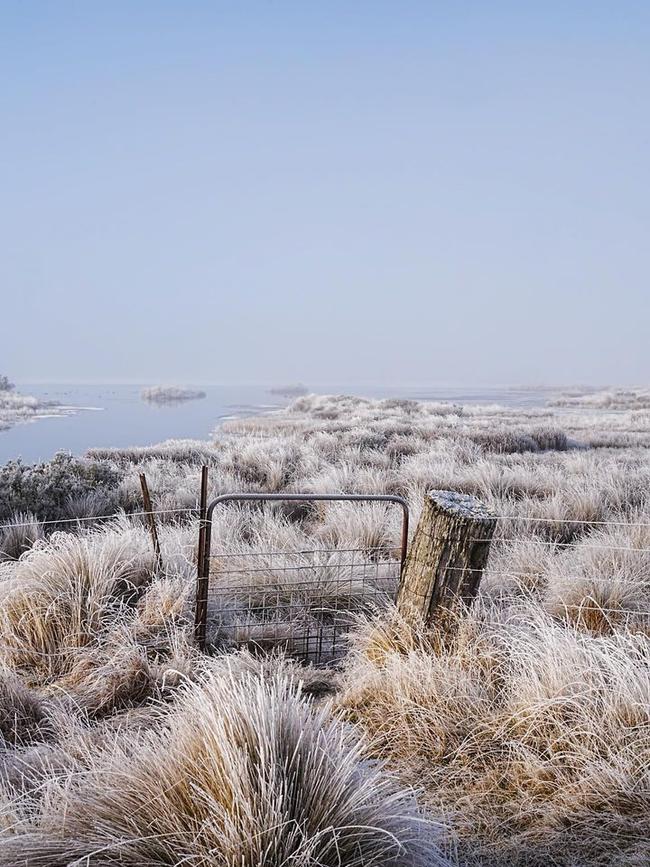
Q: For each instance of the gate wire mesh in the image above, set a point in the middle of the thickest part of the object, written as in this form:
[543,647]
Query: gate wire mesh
[303,602]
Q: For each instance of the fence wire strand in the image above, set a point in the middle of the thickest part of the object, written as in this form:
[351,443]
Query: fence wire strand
[584,522]
[122,514]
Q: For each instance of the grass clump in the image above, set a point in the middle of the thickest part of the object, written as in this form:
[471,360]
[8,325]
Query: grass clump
[59,597]
[18,535]
[244,770]
[534,738]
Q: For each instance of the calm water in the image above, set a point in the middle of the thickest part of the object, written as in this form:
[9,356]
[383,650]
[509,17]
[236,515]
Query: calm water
[119,417]
[115,415]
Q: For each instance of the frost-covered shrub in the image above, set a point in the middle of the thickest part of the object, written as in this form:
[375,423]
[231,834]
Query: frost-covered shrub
[50,490]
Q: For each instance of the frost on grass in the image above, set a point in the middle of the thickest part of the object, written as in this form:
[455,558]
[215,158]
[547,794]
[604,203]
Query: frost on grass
[531,736]
[65,487]
[526,737]
[625,399]
[170,394]
[243,769]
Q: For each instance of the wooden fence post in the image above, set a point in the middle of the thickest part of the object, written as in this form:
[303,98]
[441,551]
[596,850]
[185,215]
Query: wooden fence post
[447,555]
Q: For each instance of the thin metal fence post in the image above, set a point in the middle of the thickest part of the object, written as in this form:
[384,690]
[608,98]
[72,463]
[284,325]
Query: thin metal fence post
[202,574]
[148,508]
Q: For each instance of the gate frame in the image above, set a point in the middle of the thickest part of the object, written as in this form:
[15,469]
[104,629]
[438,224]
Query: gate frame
[205,536]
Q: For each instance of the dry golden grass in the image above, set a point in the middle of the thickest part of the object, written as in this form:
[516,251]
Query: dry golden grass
[244,770]
[532,738]
[60,595]
[527,736]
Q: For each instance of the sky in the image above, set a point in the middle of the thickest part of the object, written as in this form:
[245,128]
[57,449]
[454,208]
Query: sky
[378,192]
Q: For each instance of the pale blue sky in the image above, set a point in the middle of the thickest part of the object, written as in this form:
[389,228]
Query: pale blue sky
[331,192]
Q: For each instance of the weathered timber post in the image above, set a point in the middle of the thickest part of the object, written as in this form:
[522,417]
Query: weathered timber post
[447,555]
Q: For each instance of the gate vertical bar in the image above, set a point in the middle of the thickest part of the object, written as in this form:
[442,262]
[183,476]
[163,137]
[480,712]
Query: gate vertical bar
[405,537]
[202,574]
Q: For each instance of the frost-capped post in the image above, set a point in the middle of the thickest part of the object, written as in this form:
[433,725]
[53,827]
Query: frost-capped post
[447,555]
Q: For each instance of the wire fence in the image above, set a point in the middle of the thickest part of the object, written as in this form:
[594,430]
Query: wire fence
[523,519]
[305,601]
[87,518]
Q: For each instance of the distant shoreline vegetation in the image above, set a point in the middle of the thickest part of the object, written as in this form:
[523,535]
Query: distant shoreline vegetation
[162,394]
[613,399]
[297,390]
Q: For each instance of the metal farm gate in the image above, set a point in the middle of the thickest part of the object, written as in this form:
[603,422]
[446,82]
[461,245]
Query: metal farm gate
[303,601]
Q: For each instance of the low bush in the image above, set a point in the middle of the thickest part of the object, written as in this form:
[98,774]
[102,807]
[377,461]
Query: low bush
[55,489]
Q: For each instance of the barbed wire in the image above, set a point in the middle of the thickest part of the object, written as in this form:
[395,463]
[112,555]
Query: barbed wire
[487,572]
[506,540]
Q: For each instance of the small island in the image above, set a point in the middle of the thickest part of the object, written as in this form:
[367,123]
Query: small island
[298,390]
[166,394]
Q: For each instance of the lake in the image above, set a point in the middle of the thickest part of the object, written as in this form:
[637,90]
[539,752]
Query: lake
[115,415]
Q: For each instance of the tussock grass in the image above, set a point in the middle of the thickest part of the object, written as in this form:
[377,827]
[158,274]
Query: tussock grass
[24,714]
[60,595]
[243,770]
[532,736]
[526,736]
[18,535]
